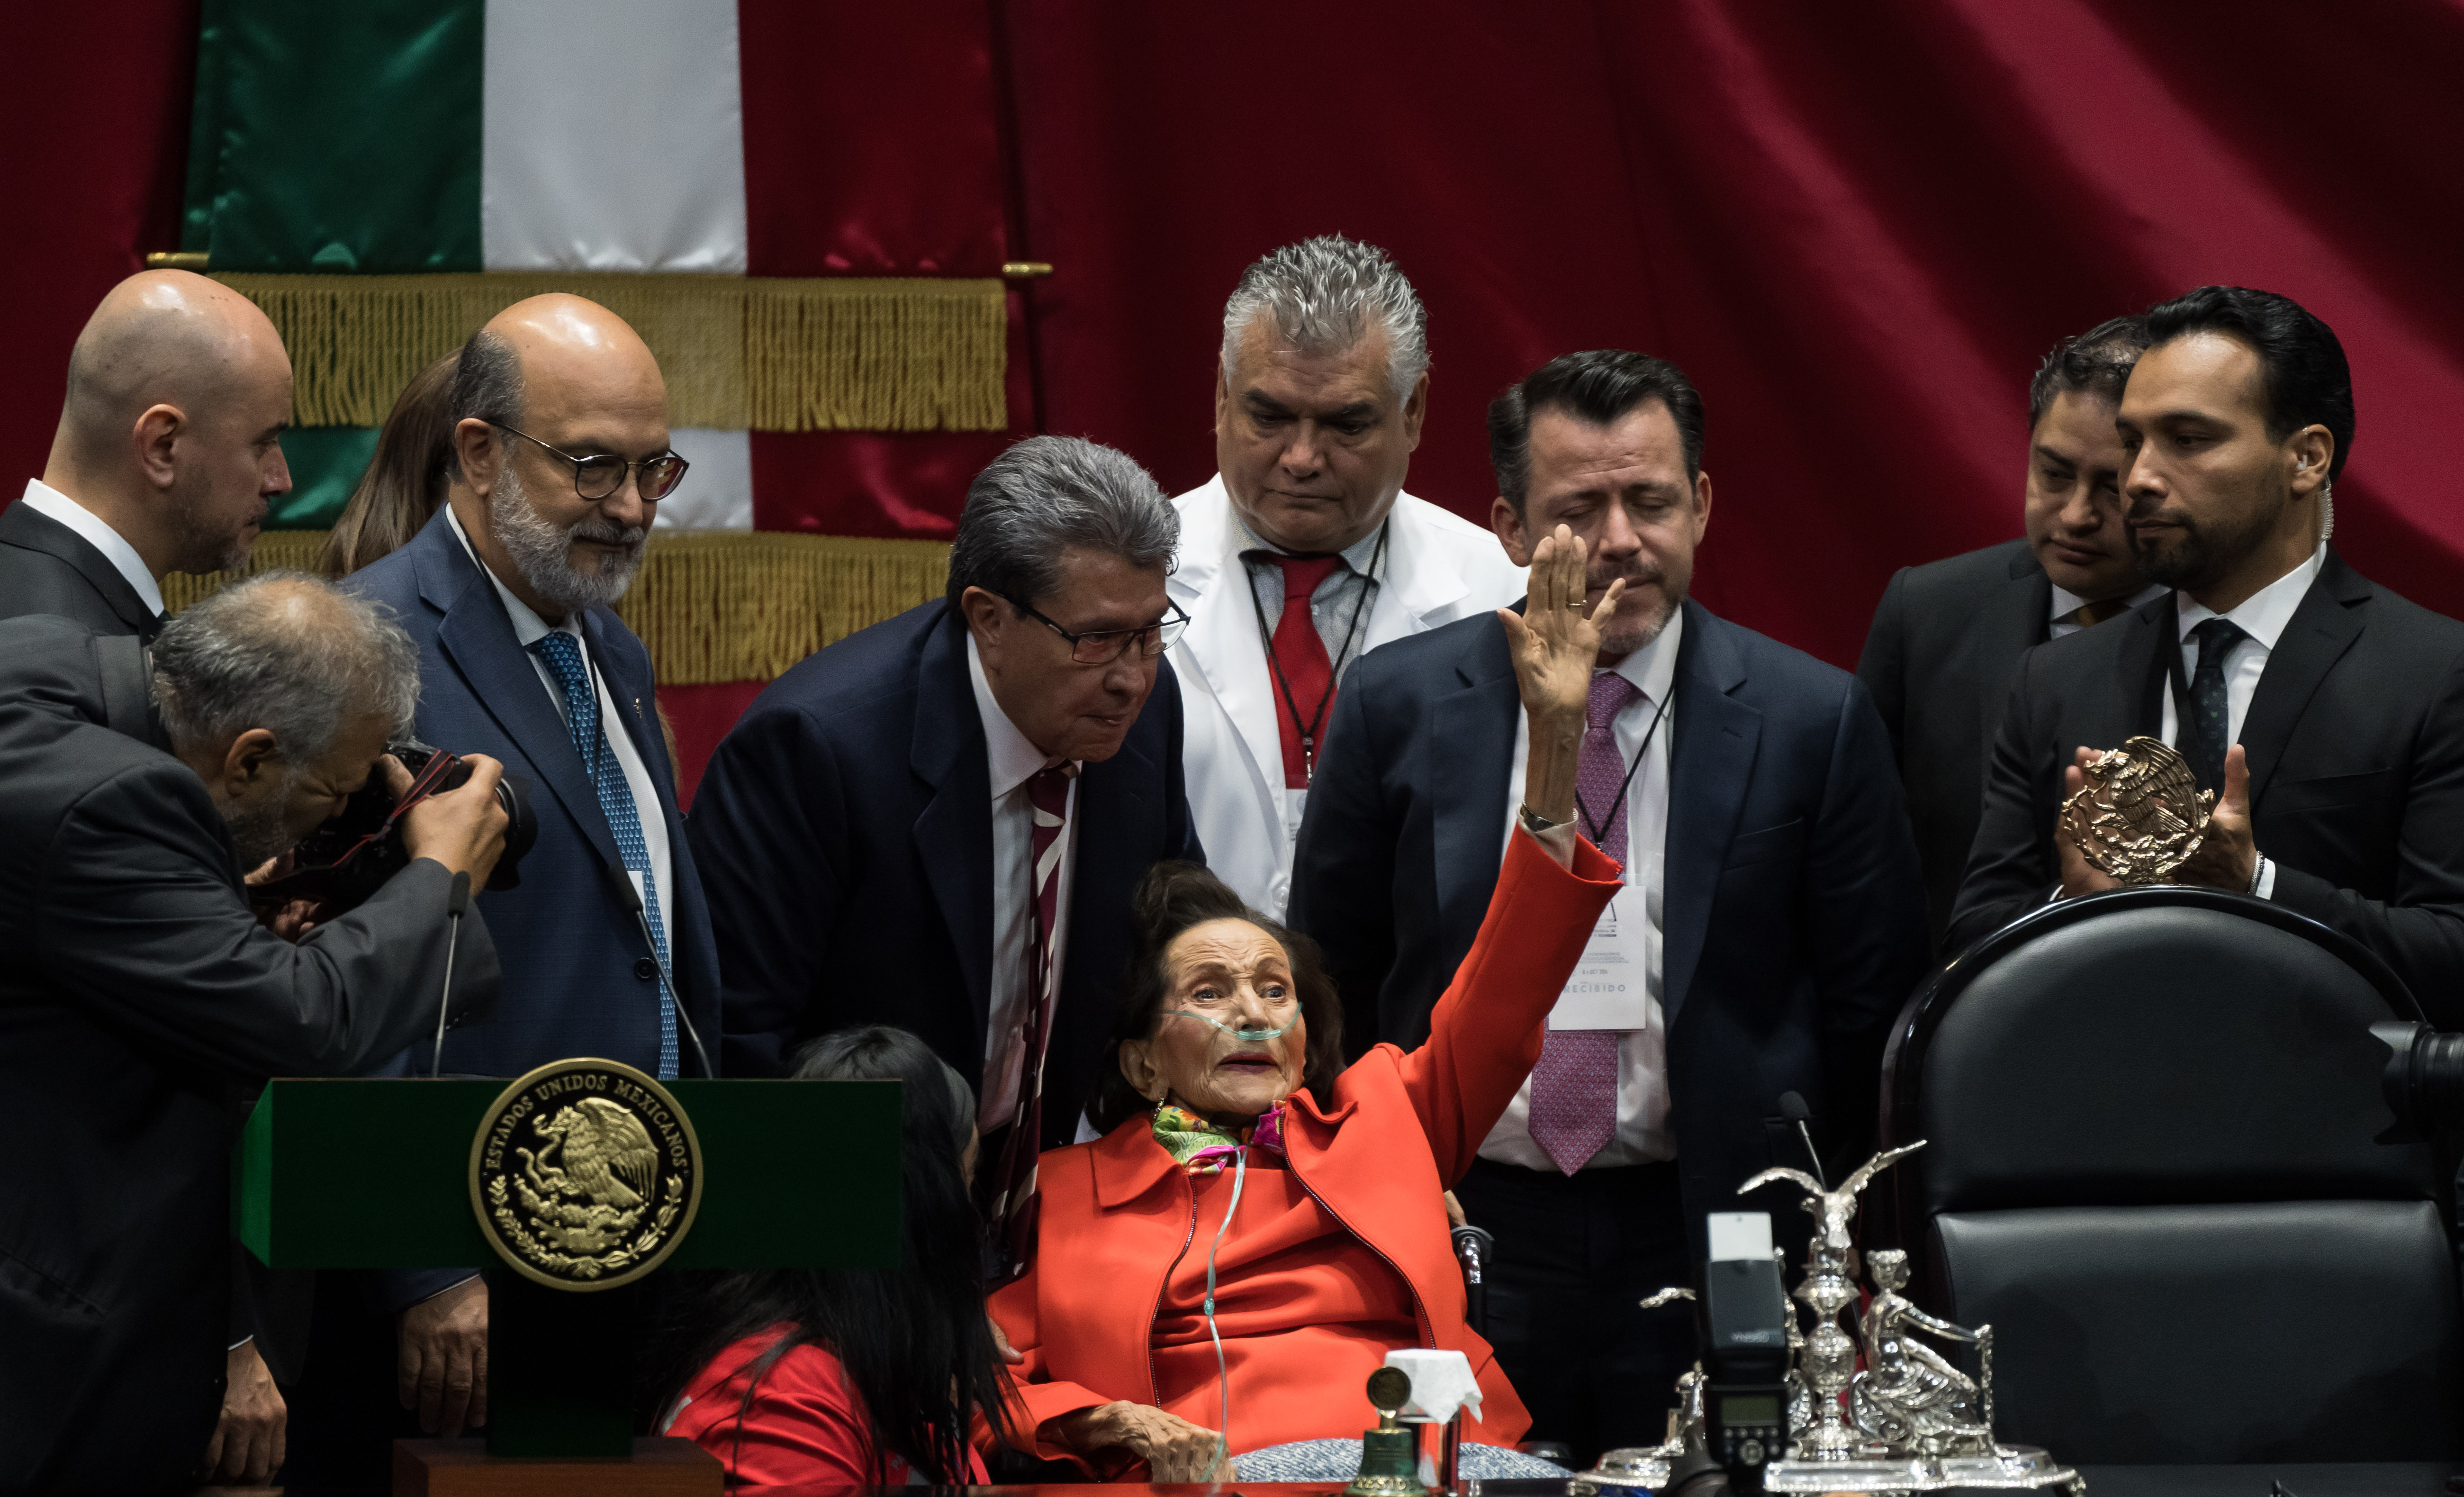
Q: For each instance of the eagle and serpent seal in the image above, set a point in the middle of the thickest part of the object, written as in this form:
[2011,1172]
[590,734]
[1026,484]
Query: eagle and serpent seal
[586,1174]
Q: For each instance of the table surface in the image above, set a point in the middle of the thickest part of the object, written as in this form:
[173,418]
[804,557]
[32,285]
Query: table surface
[2394,1480]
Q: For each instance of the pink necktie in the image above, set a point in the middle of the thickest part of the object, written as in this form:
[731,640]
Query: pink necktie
[1573,1088]
[1047,791]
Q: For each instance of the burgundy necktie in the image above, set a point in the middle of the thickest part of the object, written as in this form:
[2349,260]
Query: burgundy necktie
[1047,791]
[1573,1088]
[1303,677]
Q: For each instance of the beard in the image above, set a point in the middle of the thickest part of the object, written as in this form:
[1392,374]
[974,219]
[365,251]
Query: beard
[2200,555]
[543,551]
[1631,628]
[208,547]
[260,831]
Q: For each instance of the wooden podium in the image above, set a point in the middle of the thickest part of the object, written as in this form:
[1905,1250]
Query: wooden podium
[377,1175]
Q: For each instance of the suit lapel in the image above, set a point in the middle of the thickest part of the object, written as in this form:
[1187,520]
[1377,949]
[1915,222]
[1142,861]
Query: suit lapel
[2323,626]
[2015,623]
[954,837]
[1710,765]
[1471,764]
[21,524]
[479,639]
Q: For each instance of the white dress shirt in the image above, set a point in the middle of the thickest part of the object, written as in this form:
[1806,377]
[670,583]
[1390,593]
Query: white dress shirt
[2262,617]
[1014,761]
[1642,1134]
[530,629]
[2059,621]
[52,504]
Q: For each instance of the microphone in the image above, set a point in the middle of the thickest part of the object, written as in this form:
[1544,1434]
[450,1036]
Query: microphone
[631,898]
[1792,1108]
[456,904]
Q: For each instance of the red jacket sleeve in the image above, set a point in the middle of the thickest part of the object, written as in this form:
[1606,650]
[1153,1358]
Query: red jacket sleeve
[1037,1399]
[804,1425]
[1485,1033]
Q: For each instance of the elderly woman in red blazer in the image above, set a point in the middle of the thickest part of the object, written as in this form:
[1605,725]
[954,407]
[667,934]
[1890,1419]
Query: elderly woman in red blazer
[1227,1090]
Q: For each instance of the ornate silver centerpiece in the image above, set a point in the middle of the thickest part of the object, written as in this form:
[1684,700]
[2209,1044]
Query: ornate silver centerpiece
[2140,813]
[1910,1421]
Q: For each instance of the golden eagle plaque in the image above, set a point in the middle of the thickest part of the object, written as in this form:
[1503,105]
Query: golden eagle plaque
[2140,814]
[585,1175]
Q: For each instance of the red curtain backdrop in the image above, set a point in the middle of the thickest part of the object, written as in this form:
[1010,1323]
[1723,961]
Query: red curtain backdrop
[1858,227]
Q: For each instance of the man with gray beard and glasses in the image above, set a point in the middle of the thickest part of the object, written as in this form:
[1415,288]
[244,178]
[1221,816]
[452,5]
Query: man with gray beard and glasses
[1770,927]
[560,458]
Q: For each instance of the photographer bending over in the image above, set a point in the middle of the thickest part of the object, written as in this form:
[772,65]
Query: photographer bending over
[141,999]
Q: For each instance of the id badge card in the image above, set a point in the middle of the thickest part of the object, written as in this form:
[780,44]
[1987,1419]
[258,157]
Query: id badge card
[1611,988]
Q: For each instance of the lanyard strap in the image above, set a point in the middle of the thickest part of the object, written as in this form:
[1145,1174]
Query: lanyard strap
[1600,828]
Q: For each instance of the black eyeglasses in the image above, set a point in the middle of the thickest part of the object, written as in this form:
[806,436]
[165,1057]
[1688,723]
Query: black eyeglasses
[602,473]
[1103,647]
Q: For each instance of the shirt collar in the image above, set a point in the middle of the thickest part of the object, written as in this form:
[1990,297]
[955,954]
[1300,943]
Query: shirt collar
[1357,556]
[2264,614]
[2066,602]
[528,626]
[1653,669]
[92,528]
[1013,760]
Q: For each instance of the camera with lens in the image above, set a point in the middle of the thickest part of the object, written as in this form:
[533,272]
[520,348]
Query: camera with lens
[348,858]
[2424,1081]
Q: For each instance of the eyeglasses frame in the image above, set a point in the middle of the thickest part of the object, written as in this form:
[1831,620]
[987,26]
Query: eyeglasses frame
[631,470]
[1177,621]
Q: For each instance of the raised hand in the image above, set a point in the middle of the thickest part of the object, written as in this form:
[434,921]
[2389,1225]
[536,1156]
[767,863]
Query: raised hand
[1555,641]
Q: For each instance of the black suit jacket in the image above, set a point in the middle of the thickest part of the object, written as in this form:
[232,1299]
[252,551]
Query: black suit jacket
[2355,742]
[139,1002]
[1946,640]
[46,567]
[843,830]
[1792,926]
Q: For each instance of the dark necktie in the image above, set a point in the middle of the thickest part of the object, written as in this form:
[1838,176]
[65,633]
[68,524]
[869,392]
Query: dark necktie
[2207,728]
[1575,1086]
[563,653]
[1047,791]
[1303,675]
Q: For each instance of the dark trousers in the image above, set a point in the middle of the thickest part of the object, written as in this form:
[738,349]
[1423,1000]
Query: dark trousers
[1574,1255]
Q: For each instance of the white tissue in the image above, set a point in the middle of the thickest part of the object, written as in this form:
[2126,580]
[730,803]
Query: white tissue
[1442,1383]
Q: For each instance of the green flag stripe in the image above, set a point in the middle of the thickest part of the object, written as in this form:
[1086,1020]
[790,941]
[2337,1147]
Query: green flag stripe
[326,464]
[338,137]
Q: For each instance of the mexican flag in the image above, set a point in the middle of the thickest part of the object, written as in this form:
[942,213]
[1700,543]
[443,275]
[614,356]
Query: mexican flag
[382,176]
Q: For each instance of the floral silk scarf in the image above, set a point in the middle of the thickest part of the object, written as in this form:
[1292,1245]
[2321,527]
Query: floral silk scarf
[1203,1148]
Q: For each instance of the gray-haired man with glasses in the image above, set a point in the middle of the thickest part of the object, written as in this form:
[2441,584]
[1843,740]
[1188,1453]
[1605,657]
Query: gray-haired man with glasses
[937,823]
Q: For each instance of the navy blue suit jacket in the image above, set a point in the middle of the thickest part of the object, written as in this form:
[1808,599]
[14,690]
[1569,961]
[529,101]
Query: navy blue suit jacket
[1794,915]
[579,979]
[845,828]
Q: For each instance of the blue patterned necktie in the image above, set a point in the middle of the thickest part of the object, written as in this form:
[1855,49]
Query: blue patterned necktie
[2208,732]
[563,653]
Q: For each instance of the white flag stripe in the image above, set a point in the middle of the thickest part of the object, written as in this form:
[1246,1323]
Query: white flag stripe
[717,490]
[612,137]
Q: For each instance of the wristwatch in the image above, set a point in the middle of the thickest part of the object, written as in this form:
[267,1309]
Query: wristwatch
[1540,825]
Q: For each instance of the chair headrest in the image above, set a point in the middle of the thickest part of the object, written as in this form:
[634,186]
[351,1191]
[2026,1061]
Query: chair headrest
[2152,1045]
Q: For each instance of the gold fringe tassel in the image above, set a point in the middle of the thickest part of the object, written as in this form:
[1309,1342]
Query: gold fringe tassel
[711,606]
[772,354]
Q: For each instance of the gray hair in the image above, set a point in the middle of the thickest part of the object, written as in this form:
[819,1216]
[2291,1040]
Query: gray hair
[1045,494]
[287,652]
[1324,295]
[487,386]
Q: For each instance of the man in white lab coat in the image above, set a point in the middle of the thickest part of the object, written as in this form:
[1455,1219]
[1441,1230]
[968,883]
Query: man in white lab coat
[1304,553]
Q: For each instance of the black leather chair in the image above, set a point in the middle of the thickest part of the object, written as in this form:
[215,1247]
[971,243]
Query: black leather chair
[2150,1121]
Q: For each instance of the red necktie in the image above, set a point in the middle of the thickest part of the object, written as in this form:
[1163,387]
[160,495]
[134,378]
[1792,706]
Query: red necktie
[1573,1088]
[1047,791]
[1303,677]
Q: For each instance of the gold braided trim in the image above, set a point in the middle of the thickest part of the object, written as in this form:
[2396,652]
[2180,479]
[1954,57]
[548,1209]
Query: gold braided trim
[711,606]
[772,354]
